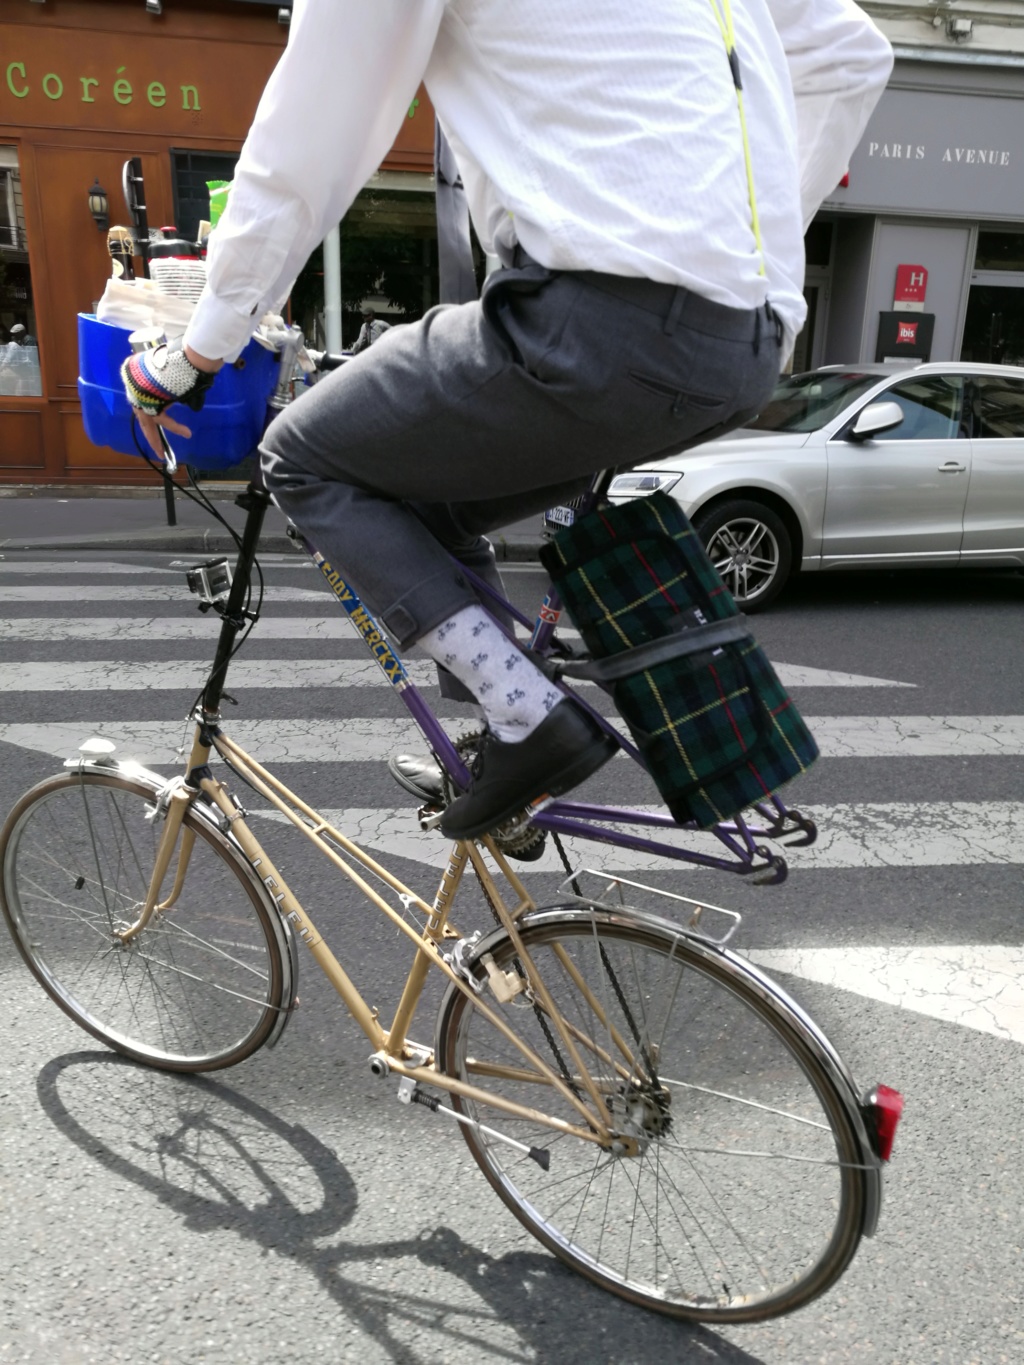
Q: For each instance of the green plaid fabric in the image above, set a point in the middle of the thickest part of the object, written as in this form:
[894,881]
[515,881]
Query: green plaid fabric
[717,729]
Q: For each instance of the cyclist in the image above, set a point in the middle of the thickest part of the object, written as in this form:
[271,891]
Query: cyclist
[372,330]
[651,290]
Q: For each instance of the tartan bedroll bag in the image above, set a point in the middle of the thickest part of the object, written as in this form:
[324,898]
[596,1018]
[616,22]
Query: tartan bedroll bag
[716,728]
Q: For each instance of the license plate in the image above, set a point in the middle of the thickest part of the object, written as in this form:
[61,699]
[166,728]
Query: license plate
[560,516]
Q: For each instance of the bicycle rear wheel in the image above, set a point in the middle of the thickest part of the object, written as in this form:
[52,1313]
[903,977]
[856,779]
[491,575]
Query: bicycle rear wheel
[201,987]
[747,1196]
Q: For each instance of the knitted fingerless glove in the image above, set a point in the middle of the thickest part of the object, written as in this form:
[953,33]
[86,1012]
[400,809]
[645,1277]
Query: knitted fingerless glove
[155,379]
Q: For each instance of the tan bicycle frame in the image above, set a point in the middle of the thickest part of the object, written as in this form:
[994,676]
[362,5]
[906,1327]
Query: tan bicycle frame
[403,1057]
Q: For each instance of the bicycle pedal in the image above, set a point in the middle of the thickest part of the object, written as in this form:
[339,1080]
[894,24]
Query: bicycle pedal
[429,817]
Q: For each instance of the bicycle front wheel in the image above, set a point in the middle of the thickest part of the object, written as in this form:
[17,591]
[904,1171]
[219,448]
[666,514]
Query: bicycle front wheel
[744,1194]
[201,987]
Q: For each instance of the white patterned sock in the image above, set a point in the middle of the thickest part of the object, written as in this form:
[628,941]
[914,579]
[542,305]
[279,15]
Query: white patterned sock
[514,693]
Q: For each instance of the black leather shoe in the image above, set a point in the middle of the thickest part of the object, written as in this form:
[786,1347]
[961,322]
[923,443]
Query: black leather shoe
[420,777]
[508,778]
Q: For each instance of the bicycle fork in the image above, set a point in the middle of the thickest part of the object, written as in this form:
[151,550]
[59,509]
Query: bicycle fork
[175,803]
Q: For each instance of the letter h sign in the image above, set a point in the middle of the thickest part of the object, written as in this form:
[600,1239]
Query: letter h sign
[911,286]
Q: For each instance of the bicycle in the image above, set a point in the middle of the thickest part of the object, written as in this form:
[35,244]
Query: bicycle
[650,1106]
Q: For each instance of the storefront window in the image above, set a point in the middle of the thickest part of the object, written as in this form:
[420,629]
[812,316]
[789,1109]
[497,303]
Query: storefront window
[1000,251]
[192,172]
[19,351]
[388,260]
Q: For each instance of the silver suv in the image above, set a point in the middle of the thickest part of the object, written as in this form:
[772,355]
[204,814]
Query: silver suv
[858,466]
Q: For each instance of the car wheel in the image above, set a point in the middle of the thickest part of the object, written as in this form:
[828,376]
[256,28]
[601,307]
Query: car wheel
[750,547]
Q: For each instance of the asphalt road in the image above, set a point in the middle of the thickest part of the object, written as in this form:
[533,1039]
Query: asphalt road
[291,1210]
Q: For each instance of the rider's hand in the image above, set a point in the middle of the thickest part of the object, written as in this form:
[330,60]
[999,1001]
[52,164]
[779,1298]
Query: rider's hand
[154,379]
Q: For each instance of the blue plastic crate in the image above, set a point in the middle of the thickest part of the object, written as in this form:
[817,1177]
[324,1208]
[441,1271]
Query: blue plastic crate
[225,431]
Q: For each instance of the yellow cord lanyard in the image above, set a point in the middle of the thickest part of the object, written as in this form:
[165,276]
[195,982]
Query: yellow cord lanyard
[723,17]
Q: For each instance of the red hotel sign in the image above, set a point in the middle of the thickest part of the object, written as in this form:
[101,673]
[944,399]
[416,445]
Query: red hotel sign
[911,286]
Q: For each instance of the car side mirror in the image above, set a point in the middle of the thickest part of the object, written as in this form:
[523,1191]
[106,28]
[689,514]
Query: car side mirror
[874,419]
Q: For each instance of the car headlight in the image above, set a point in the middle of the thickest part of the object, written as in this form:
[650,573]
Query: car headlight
[641,482]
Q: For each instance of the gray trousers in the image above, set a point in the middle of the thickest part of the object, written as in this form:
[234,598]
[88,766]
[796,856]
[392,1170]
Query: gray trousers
[483,413]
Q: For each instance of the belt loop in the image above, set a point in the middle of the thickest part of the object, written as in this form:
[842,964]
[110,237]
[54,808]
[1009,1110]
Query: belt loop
[674,310]
[772,316]
[757,331]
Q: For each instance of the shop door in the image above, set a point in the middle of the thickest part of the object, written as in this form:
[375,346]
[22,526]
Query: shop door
[805,344]
[809,348]
[74,254]
[994,326]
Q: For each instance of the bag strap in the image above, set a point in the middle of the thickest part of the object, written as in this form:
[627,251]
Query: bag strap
[692,640]
[456,276]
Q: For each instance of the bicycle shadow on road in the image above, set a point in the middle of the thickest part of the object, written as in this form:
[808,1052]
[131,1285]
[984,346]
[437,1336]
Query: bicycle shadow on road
[222,1162]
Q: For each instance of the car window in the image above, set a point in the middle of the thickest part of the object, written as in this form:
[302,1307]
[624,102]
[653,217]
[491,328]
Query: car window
[931,408]
[997,405]
[805,402]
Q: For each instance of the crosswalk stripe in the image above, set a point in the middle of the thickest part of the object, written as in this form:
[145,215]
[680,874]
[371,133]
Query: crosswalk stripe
[192,627]
[110,592]
[913,834]
[68,569]
[155,629]
[360,739]
[918,736]
[899,834]
[979,986]
[106,628]
[104,675]
[796,675]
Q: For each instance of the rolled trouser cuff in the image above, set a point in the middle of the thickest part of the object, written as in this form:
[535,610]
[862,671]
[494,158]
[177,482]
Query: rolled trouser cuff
[432,601]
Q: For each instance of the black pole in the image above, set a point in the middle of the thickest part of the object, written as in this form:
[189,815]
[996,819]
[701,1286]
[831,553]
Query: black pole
[172,511]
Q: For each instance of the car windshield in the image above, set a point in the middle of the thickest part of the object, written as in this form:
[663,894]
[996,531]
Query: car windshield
[805,402]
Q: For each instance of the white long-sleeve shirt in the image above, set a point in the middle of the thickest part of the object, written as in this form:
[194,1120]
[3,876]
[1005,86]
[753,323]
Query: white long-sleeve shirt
[601,135]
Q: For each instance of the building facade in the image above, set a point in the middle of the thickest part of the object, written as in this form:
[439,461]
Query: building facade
[920,251]
[85,85]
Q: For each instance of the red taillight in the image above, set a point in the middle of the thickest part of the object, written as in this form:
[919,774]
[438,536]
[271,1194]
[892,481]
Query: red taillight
[882,1109]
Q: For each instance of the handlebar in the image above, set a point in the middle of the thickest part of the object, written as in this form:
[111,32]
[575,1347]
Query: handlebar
[328,360]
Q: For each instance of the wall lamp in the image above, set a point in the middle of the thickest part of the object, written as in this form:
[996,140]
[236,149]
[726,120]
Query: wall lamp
[98,206]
